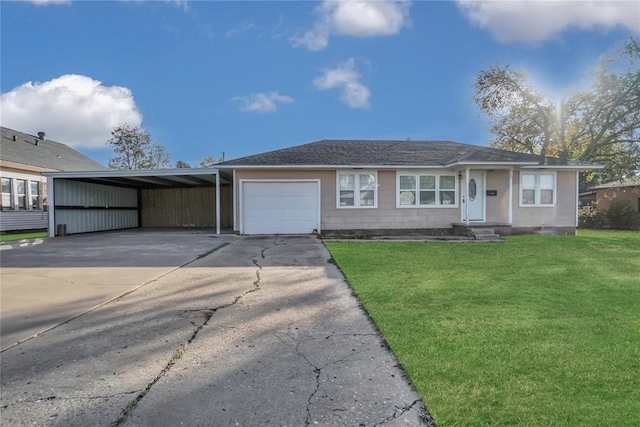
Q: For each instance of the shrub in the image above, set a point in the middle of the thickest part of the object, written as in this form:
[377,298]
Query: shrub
[622,216]
[591,218]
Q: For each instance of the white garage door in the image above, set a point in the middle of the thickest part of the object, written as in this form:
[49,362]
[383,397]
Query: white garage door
[283,207]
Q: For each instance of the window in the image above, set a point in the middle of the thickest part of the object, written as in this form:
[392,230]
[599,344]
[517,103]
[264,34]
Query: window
[21,191]
[537,189]
[357,190]
[7,194]
[36,200]
[427,190]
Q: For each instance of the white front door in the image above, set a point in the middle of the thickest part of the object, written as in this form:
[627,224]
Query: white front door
[475,197]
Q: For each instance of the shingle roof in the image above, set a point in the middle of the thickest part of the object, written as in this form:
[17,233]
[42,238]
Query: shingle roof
[391,153]
[44,154]
[633,181]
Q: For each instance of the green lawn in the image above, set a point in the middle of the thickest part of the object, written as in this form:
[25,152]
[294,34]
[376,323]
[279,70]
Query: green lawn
[21,236]
[540,330]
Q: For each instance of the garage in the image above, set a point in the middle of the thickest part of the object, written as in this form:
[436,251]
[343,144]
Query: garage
[85,202]
[279,206]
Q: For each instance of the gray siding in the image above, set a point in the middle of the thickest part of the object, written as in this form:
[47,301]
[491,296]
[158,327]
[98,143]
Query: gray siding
[22,220]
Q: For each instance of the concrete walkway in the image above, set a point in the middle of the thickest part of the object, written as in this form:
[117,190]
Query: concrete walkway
[263,331]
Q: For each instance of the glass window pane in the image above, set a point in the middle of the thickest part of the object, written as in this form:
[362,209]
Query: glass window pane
[35,188]
[407,198]
[346,181]
[528,181]
[546,182]
[407,182]
[6,185]
[427,197]
[367,182]
[346,198]
[366,198]
[546,197]
[21,186]
[528,197]
[447,182]
[427,182]
[447,197]
[6,200]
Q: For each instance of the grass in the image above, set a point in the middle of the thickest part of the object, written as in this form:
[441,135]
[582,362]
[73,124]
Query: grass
[22,236]
[541,330]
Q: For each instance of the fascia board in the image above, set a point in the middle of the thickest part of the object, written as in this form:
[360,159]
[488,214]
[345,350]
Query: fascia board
[132,173]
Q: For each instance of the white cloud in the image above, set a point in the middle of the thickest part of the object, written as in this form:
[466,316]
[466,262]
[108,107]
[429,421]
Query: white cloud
[243,28]
[345,77]
[357,18]
[261,102]
[73,109]
[536,21]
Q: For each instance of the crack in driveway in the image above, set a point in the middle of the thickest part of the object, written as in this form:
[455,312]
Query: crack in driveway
[205,314]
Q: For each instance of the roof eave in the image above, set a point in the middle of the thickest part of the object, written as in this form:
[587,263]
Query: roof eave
[498,164]
[132,172]
[566,167]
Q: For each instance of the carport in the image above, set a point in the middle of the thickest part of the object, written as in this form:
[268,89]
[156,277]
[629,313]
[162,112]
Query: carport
[90,201]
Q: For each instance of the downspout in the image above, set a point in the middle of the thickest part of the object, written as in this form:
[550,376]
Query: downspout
[217,175]
[510,211]
[51,207]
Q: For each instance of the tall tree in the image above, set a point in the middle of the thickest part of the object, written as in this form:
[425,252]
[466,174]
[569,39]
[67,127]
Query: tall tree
[601,124]
[158,156]
[130,145]
[182,165]
[210,161]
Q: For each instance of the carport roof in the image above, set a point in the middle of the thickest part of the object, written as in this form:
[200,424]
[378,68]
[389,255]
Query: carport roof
[148,179]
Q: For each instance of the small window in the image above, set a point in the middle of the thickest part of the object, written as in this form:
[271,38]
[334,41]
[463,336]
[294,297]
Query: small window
[426,190]
[7,194]
[21,192]
[537,189]
[357,190]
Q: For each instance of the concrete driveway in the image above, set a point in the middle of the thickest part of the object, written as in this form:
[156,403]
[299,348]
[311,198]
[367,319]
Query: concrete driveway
[260,331]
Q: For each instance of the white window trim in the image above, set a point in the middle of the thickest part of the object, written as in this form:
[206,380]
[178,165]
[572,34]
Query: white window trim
[356,198]
[437,174]
[537,203]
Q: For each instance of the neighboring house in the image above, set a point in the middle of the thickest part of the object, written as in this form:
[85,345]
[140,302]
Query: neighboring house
[346,187]
[624,189]
[23,159]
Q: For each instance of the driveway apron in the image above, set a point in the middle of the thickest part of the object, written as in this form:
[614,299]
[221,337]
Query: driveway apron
[263,331]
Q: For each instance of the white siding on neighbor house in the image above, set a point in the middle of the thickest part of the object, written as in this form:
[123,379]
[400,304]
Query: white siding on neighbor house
[14,219]
[23,220]
[97,207]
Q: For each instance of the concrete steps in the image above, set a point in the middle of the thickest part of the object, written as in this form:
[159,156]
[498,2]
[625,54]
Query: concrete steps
[486,235]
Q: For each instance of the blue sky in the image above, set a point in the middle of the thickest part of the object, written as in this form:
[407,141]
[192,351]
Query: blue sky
[247,77]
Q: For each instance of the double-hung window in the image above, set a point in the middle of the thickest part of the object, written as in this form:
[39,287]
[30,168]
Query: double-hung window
[537,189]
[21,192]
[357,190]
[36,198]
[427,190]
[7,194]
